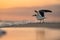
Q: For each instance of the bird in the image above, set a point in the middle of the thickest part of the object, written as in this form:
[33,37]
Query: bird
[40,14]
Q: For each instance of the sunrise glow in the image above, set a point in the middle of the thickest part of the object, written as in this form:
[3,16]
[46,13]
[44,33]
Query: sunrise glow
[26,3]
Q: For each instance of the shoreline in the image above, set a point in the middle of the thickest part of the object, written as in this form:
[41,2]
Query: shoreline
[43,25]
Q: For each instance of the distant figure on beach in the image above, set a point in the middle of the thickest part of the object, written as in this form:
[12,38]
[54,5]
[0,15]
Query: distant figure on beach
[40,14]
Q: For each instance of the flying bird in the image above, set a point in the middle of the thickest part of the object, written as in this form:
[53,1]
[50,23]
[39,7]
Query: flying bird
[40,14]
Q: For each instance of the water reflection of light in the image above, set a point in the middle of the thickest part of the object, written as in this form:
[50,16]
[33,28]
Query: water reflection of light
[30,33]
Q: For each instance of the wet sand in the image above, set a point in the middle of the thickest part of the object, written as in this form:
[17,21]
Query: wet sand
[30,33]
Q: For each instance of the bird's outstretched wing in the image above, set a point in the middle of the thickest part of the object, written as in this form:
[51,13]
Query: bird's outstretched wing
[45,10]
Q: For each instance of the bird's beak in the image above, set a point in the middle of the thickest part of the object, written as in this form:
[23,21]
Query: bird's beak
[35,15]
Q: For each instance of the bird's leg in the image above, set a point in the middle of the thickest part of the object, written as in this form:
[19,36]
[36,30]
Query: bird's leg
[40,21]
[43,20]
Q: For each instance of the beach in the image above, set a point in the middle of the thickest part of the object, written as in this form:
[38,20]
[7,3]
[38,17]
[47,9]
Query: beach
[30,33]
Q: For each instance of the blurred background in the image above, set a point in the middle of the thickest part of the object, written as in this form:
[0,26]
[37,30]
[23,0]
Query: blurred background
[17,10]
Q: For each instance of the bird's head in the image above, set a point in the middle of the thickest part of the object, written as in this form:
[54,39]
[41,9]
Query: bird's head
[36,11]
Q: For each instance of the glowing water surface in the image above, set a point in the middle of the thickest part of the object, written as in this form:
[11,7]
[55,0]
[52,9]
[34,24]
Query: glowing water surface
[30,33]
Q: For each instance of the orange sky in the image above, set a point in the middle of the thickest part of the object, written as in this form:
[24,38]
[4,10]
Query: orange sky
[26,3]
[22,3]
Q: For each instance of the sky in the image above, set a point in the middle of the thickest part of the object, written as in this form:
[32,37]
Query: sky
[23,9]
[26,3]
